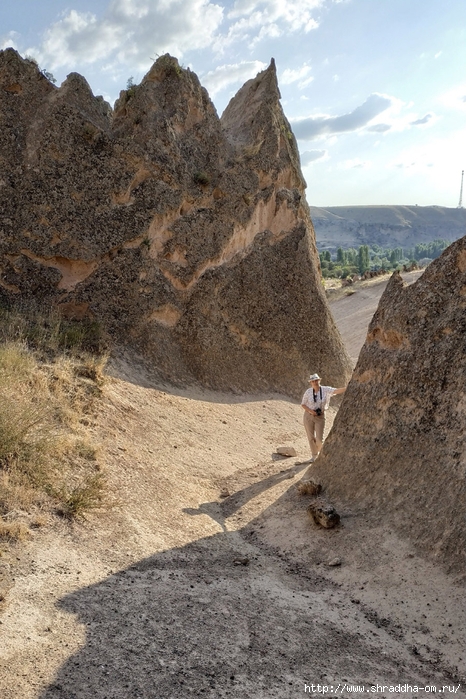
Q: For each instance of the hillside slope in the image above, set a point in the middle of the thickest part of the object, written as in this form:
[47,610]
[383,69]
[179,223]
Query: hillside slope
[387,226]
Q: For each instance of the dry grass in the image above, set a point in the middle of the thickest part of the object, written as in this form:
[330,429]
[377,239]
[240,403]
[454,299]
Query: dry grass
[48,333]
[51,374]
[13,531]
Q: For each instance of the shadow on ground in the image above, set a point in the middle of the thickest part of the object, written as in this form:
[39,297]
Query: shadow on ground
[224,616]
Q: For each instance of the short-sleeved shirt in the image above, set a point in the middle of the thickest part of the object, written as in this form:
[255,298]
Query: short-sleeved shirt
[322,403]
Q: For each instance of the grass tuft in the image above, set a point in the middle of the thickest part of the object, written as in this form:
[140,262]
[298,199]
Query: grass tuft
[13,531]
[86,495]
[201,177]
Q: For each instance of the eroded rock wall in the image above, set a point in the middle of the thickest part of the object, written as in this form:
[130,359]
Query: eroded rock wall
[398,443]
[188,236]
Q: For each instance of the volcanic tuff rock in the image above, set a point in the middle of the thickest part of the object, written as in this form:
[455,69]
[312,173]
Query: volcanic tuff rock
[186,235]
[398,442]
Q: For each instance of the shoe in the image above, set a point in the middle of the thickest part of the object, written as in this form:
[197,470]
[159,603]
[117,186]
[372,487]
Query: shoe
[312,459]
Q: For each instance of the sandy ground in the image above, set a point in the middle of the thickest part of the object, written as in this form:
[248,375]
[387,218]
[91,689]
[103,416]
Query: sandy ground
[209,580]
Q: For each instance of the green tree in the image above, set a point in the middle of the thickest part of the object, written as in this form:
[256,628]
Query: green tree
[352,256]
[363,259]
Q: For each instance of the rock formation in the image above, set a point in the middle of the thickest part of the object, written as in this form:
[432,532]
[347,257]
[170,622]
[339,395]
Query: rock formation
[186,235]
[398,442]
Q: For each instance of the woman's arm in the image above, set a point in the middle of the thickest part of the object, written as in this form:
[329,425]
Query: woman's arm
[339,390]
[308,410]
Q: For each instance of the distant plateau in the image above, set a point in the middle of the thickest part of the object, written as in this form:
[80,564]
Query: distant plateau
[387,226]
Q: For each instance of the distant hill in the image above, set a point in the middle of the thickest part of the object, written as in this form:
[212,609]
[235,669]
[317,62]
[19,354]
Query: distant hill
[388,226]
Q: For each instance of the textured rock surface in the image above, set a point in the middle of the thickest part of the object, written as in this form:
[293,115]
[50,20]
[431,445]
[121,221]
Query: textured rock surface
[398,442]
[323,514]
[186,235]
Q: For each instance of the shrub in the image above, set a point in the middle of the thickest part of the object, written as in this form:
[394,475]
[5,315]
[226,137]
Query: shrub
[201,178]
[86,495]
[49,332]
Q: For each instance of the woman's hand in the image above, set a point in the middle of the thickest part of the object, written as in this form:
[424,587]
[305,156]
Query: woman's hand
[308,410]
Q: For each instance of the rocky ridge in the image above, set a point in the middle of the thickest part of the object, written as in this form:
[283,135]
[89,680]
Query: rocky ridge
[186,235]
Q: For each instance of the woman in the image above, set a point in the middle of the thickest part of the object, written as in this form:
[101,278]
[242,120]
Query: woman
[314,403]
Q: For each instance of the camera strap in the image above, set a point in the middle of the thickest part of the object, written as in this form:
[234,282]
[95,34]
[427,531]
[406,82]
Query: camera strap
[314,395]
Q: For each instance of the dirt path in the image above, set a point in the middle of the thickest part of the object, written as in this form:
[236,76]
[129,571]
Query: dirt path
[182,592]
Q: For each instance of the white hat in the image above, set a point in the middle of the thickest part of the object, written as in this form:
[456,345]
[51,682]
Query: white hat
[314,377]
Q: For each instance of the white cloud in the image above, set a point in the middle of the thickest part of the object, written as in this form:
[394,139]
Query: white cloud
[403,122]
[297,14]
[396,118]
[80,38]
[299,75]
[217,80]
[447,155]
[131,30]
[310,156]
[315,126]
[283,16]
[423,120]
[250,29]
[455,98]
[355,164]
[270,31]
[379,128]
[9,41]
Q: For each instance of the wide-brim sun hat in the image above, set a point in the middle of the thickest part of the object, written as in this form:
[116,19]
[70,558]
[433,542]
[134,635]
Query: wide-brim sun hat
[314,377]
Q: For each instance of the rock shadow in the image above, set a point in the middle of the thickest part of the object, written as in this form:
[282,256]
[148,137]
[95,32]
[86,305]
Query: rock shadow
[193,621]
[221,511]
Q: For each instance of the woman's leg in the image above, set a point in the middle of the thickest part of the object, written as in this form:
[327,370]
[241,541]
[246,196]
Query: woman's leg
[319,426]
[310,425]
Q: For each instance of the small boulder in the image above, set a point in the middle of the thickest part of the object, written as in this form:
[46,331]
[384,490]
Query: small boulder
[241,561]
[286,451]
[334,562]
[324,515]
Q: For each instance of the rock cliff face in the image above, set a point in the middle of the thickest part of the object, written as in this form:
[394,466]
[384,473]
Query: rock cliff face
[186,235]
[398,442]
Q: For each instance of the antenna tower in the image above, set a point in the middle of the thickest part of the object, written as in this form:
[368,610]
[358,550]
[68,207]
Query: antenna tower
[460,205]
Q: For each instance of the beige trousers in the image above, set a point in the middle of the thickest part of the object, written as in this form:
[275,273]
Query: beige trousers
[314,426]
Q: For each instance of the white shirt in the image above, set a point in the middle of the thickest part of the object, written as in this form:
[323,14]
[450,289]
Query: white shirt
[322,403]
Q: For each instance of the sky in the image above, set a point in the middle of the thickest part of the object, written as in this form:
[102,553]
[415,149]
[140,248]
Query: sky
[375,90]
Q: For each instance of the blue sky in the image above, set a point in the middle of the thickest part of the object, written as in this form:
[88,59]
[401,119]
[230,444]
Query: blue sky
[375,90]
